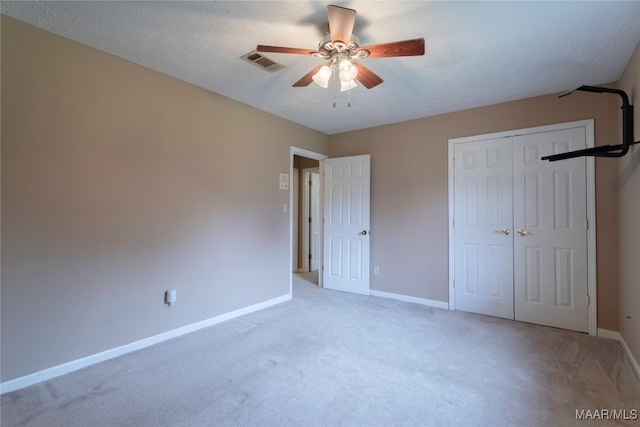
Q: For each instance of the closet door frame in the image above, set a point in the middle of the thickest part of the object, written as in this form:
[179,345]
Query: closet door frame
[588,125]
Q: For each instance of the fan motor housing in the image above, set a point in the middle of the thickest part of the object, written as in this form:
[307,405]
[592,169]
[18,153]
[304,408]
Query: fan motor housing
[329,47]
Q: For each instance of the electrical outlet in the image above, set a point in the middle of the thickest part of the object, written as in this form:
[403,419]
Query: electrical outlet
[376,271]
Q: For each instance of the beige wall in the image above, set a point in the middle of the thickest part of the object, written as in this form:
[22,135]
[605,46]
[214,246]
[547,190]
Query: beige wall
[119,183]
[409,211]
[629,216]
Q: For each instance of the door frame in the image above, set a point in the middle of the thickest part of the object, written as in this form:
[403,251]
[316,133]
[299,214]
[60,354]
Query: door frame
[306,200]
[316,156]
[588,125]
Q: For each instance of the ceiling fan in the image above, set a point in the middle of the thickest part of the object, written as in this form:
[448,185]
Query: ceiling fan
[341,47]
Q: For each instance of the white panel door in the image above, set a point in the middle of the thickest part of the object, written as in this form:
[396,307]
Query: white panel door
[550,238]
[314,221]
[483,238]
[346,223]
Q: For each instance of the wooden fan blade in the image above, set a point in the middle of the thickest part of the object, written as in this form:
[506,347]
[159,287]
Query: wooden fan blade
[414,47]
[279,49]
[308,78]
[341,21]
[367,77]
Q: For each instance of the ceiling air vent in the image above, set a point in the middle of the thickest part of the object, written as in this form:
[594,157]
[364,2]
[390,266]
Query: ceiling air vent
[262,61]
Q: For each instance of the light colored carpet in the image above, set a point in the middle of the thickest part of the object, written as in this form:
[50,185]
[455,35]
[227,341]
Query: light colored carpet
[328,358]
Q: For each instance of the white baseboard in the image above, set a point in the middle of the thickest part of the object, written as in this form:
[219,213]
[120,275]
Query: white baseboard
[610,335]
[613,335]
[407,298]
[74,365]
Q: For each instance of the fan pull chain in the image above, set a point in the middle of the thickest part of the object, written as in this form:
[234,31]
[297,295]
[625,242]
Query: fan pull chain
[335,85]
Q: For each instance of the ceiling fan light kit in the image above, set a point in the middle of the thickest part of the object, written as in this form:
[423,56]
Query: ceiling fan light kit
[340,48]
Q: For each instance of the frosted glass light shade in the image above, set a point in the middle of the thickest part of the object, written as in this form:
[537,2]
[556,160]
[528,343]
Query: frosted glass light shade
[348,71]
[322,76]
[347,85]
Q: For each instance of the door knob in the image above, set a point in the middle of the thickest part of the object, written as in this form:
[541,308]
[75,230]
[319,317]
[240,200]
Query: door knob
[504,231]
[524,232]
[363,232]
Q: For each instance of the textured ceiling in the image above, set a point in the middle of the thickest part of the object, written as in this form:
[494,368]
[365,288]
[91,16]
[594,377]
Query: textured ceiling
[477,53]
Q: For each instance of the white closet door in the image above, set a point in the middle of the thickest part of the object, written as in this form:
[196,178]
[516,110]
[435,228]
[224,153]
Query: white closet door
[550,238]
[483,227]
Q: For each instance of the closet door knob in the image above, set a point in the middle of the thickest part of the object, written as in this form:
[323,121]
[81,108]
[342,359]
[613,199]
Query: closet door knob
[504,231]
[524,232]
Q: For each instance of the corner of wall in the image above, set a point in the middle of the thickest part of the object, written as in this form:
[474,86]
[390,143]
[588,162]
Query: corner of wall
[628,214]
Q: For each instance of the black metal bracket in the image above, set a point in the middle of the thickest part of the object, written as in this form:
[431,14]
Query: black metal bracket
[604,150]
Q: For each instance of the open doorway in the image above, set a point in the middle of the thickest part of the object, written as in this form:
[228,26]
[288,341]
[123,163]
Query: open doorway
[306,231]
[344,201]
[306,214]
[310,220]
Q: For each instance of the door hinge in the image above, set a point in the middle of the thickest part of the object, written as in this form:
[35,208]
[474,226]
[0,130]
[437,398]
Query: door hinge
[454,222]
[587,223]
[454,283]
[309,256]
[309,219]
[588,300]
[453,162]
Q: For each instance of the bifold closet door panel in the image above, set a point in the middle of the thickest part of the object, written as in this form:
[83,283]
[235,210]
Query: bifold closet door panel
[483,238]
[550,237]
